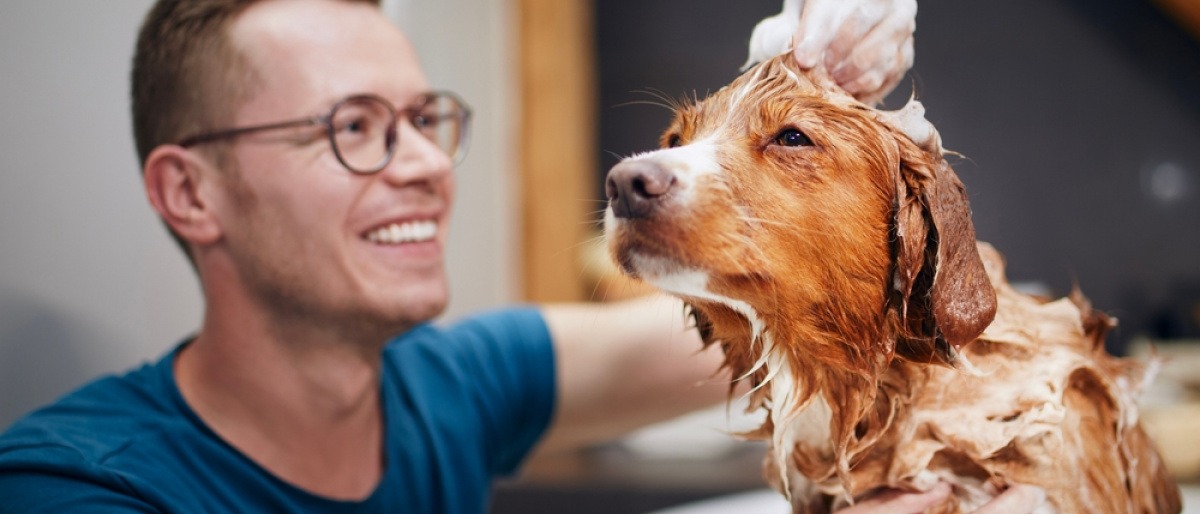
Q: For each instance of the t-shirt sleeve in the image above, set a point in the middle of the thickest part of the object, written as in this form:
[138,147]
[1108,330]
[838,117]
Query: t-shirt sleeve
[35,480]
[512,375]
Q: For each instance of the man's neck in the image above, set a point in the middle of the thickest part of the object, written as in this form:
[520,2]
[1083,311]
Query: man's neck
[303,402]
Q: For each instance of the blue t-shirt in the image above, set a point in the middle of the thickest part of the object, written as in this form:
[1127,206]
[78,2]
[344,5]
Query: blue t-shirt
[462,405]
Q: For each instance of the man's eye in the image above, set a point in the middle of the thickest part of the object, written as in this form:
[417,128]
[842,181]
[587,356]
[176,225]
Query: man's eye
[792,137]
[355,125]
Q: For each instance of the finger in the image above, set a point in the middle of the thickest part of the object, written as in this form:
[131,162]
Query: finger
[889,84]
[873,86]
[819,21]
[876,49]
[861,19]
[866,87]
[848,41]
[884,55]
[865,70]
[1017,499]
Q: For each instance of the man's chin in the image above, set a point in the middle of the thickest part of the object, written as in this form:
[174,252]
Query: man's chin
[386,326]
[399,307]
[409,313]
[426,313]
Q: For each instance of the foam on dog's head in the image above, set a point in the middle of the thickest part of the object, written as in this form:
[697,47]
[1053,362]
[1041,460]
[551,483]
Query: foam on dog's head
[773,37]
[910,120]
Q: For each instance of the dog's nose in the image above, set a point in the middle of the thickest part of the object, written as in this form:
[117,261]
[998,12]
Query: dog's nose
[634,188]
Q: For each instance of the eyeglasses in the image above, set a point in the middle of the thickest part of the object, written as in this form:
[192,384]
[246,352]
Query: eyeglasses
[363,132]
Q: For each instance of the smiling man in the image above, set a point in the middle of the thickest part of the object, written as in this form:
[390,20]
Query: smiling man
[296,151]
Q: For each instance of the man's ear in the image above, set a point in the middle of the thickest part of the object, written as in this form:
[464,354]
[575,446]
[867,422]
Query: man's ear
[179,186]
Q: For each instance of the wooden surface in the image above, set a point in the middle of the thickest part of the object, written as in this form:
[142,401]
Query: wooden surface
[558,144]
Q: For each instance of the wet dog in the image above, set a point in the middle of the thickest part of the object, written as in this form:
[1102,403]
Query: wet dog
[827,247]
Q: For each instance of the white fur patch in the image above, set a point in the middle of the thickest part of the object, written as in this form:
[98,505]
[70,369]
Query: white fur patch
[673,278]
[795,422]
[688,163]
[750,85]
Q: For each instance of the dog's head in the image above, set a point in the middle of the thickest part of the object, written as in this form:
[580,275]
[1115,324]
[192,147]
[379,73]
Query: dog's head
[783,201]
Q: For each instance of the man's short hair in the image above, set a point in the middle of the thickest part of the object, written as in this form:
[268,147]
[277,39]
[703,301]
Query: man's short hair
[187,76]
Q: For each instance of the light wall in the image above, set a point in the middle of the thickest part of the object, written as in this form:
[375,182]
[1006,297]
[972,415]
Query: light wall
[89,281]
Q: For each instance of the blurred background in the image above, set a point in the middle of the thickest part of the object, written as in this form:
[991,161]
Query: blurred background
[1079,121]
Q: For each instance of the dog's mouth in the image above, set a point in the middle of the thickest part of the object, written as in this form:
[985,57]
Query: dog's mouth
[705,235]
[665,273]
[662,250]
[638,256]
[648,265]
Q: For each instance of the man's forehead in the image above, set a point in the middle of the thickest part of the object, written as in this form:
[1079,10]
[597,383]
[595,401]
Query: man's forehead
[314,26]
[333,48]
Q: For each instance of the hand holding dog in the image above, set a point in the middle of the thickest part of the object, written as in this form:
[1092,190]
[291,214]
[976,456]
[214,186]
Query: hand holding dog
[867,45]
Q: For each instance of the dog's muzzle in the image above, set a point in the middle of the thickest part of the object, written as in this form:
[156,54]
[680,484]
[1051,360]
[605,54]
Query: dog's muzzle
[636,188]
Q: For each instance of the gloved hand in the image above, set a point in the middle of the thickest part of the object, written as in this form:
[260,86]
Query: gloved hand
[867,45]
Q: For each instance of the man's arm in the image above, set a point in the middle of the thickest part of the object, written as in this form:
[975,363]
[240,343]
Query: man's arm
[626,365]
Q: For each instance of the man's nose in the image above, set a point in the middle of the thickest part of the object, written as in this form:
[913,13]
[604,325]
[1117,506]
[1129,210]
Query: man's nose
[417,158]
[637,188]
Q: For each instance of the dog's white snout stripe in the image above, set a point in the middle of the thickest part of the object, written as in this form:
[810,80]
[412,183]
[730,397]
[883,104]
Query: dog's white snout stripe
[688,163]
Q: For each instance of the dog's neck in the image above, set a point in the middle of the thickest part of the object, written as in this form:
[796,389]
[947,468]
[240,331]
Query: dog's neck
[821,383]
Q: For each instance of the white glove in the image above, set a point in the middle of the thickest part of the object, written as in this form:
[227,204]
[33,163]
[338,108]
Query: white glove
[867,45]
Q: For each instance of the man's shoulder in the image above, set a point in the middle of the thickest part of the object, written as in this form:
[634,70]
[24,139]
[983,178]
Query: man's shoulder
[94,423]
[126,443]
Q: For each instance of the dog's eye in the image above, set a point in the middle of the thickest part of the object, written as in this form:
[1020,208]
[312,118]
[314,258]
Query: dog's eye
[792,137]
[673,141]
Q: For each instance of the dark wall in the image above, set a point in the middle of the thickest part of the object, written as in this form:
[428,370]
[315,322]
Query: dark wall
[1079,120]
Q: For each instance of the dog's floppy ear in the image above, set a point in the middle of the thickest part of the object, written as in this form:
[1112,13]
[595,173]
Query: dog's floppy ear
[963,300]
[940,286]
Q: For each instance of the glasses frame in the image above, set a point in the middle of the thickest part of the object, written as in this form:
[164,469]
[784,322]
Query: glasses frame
[410,113]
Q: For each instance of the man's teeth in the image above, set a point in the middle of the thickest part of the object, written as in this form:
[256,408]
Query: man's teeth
[410,232]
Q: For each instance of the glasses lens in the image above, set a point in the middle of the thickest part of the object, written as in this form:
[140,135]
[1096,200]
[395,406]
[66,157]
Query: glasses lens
[363,133]
[443,120]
